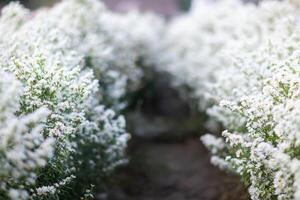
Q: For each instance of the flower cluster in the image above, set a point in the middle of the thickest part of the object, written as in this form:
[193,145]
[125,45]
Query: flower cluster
[23,148]
[241,62]
[70,63]
[113,45]
[194,42]
[58,133]
[256,97]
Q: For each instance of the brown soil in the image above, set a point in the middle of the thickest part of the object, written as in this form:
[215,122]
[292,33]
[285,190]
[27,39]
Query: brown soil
[173,171]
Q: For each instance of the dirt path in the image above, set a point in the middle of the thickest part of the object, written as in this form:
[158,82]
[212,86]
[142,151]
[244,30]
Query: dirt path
[173,171]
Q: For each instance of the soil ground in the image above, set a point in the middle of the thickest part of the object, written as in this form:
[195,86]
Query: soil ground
[173,171]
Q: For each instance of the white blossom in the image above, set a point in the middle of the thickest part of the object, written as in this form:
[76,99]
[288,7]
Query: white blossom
[256,98]
[23,149]
[113,45]
[90,139]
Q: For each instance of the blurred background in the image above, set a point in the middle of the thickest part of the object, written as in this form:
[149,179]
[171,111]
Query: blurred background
[164,7]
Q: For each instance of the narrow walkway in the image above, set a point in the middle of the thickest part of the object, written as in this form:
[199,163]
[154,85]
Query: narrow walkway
[173,171]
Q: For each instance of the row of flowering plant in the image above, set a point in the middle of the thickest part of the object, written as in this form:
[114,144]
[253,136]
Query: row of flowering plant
[242,63]
[261,140]
[65,72]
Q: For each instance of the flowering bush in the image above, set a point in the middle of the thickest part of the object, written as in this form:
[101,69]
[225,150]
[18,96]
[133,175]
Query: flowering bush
[241,61]
[194,42]
[57,134]
[89,139]
[113,45]
[23,149]
[256,99]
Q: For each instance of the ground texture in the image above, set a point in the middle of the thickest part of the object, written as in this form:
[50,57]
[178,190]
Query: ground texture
[172,171]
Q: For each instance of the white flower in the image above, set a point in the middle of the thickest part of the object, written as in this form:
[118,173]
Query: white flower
[256,97]
[213,143]
[113,45]
[23,149]
[45,59]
